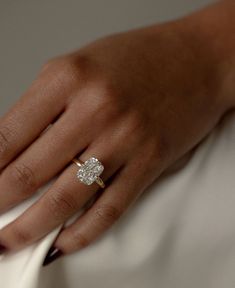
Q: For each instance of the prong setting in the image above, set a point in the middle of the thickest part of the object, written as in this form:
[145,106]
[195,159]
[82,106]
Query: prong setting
[90,170]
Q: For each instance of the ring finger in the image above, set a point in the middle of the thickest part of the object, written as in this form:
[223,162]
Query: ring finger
[65,197]
[43,159]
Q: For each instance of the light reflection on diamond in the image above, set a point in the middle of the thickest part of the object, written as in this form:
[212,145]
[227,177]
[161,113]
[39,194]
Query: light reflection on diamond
[90,171]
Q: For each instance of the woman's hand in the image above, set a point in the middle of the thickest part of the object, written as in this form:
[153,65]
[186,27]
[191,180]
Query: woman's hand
[137,101]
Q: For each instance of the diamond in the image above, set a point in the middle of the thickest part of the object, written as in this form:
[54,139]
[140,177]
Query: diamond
[90,171]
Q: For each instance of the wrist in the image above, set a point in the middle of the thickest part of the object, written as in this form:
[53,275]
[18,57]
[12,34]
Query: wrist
[211,33]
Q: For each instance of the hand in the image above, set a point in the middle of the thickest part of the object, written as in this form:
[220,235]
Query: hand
[137,101]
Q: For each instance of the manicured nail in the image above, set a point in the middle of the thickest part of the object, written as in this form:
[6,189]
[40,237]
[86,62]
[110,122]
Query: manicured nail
[3,249]
[53,254]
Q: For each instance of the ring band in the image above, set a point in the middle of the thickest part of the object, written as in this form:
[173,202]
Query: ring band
[89,171]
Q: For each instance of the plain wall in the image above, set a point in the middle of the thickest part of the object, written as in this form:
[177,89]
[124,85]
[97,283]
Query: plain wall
[32,31]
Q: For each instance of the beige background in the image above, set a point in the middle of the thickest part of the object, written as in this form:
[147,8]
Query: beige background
[32,31]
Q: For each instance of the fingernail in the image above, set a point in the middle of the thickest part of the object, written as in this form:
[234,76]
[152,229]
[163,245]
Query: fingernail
[53,254]
[3,249]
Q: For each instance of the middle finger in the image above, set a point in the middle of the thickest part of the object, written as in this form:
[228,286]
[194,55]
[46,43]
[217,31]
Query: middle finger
[66,196]
[46,157]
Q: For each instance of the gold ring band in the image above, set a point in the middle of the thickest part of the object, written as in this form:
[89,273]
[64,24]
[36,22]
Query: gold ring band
[77,162]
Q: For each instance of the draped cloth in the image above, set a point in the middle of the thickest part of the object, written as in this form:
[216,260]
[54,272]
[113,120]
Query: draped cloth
[179,233]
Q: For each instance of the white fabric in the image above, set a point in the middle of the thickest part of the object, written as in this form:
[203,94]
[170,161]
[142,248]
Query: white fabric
[179,233]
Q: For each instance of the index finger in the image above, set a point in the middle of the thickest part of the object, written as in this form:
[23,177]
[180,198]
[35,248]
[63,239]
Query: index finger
[32,113]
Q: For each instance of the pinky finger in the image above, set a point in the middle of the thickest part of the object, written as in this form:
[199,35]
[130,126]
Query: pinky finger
[112,203]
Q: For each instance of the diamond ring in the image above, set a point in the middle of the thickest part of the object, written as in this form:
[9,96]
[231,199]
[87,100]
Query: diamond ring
[89,171]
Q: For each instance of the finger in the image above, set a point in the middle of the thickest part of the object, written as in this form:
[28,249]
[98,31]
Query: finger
[46,157]
[109,207]
[60,202]
[35,110]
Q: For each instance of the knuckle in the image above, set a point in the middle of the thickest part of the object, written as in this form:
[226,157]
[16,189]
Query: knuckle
[101,102]
[109,94]
[61,73]
[22,175]
[107,103]
[81,63]
[80,240]
[61,205]
[106,214]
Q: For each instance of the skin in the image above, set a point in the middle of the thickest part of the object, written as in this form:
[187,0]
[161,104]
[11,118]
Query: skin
[138,101]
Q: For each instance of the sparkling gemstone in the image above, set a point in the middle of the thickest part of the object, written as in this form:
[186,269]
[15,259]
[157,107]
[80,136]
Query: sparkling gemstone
[90,171]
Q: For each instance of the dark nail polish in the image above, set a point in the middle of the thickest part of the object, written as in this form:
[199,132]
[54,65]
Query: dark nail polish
[53,254]
[3,249]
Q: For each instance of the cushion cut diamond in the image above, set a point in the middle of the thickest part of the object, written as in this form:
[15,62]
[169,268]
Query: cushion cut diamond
[90,171]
